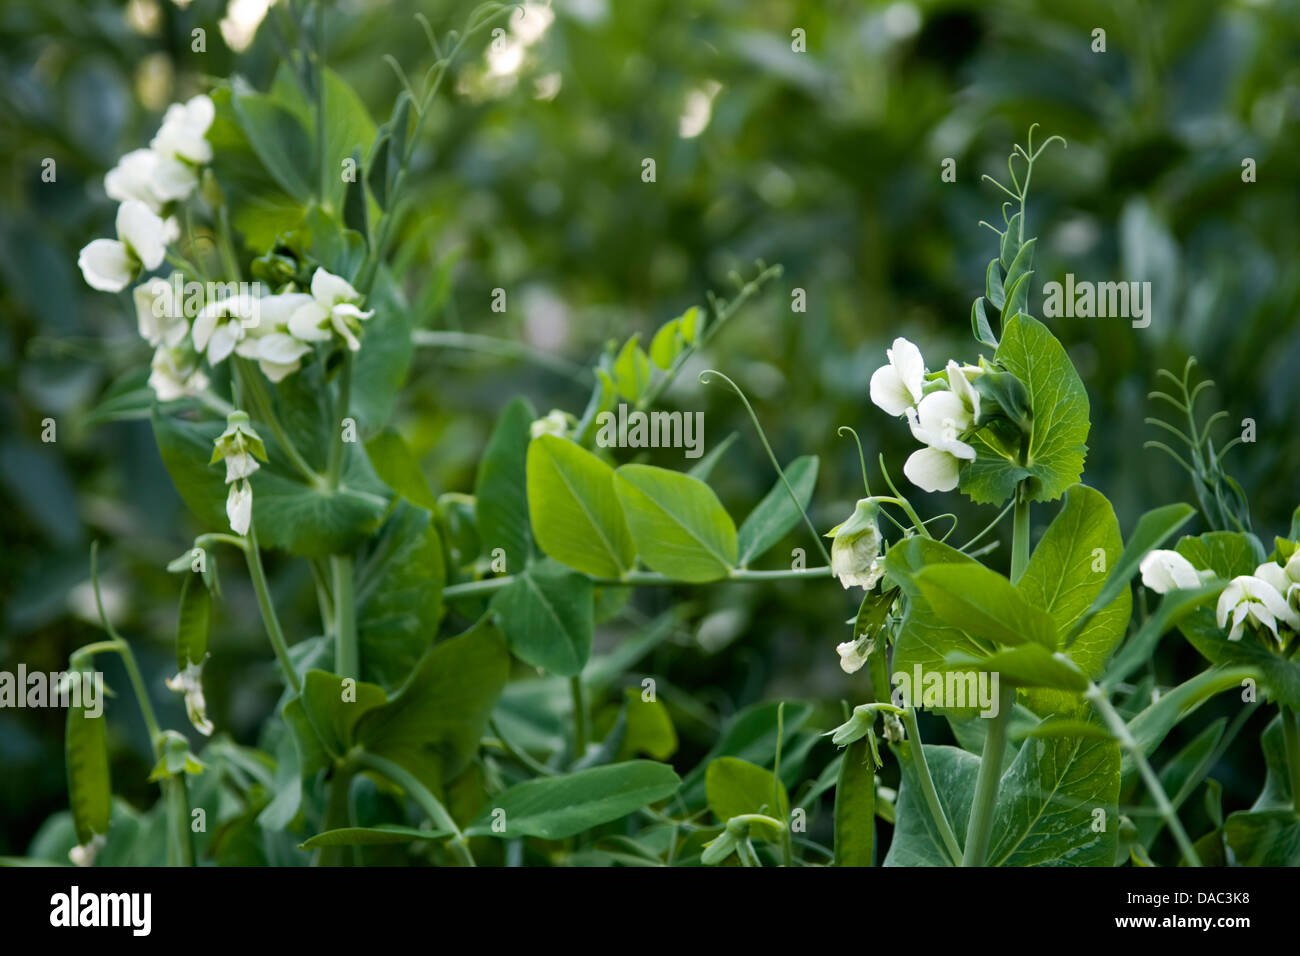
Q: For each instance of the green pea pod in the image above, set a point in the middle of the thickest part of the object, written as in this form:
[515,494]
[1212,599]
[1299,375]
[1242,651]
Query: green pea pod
[86,748]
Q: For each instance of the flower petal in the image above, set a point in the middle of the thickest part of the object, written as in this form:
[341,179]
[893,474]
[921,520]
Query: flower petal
[932,470]
[106,265]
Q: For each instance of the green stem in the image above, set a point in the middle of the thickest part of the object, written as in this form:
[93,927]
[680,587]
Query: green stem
[335,467]
[255,390]
[421,795]
[336,815]
[1291,740]
[979,828]
[345,618]
[579,717]
[1120,729]
[642,578]
[269,618]
[1020,535]
[916,753]
[181,846]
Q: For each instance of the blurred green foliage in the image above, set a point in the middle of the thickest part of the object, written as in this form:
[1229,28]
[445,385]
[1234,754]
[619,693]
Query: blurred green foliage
[827,161]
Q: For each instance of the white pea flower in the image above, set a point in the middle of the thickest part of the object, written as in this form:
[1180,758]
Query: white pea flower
[175,373]
[897,386]
[278,353]
[334,306]
[959,381]
[239,507]
[136,177]
[1251,599]
[189,682]
[222,325]
[184,130]
[1165,571]
[937,422]
[1281,578]
[855,551]
[554,423]
[239,445]
[159,315]
[109,264]
[851,657]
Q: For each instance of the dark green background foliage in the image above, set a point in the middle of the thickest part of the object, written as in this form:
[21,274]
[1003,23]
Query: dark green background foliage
[827,162]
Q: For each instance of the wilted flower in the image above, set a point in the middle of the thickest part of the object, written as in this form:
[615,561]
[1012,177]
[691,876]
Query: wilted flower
[239,507]
[109,264]
[852,657]
[855,552]
[189,682]
[896,387]
[159,316]
[239,445]
[176,373]
[1165,571]
[334,305]
[1250,598]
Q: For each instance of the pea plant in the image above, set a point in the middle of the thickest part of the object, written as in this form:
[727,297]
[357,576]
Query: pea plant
[450,710]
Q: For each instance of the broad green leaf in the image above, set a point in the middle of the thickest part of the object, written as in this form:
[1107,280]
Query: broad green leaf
[1022,265]
[1044,814]
[1029,665]
[994,289]
[632,370]
[348,127]
[855,807]
[546,614]
[334,707]
[1152,529]
[398,468]
[649,727]
[380,369]
[735,787]
[751,735]
[924,638]
[553,808]
[916,840]
[501,489]
[399,595]
[1058,441]
[1279,676]
[433,724]
[278,139]
[667,344]
[774,516]
[979,324]
[1226,553]
[1264,837]
[193,622]
[985,605]
[1065,574]
[679,527]
[90,793]
[1010,244]
[574,510]
[385,834]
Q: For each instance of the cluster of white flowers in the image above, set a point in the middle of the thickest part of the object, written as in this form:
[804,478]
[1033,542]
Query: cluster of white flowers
[1267,598]
[939,410]
[239,447]
[146,182]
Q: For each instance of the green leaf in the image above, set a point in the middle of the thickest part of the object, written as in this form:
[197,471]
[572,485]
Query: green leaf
[574,510]
[1279,675]
[334,706]
[1018,296]
[553,808]
[546,614]
[90,793]
[855,807]
[667,344]
[501,489]
[1057,443]
[1010,245]
[774,516]
[632,370]
[355,203]
[1029,665]
[679,527]
[348,128]
[984,604]
[1140,648]
[385,834]
[278,139]
[979,324]
[193,622]
[1153,724]
[994,290]
[433,724]
[399,595]
[736,787]
[1065,574]
[381,367]
[916,840]
[1021,266]
[1152,529]
[649,727]
[751,735]
[1226,553]
[397,467]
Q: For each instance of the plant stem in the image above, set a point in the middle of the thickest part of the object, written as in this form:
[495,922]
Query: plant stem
[1020,535]
[255,391]
[986,786]
[579,717]
[180,849]
[345,618]
[335,467]
[272,623]
[647,578]
[503,348]
[336,814]
[421,795]
[916,753]
[1291,739]
[1120,729]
